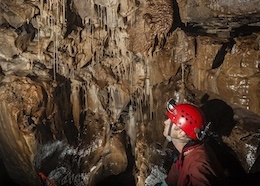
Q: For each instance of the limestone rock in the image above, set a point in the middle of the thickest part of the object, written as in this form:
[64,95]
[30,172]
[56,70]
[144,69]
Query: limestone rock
[83,84]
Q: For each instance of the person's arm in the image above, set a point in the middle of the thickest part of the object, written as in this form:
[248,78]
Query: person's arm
[173,175]
[157,176]
[202,174]
[163,183]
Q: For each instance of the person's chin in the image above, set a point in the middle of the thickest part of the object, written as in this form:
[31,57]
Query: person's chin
[164,135]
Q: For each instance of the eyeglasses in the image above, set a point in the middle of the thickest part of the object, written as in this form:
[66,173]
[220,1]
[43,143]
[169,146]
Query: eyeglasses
[170,105]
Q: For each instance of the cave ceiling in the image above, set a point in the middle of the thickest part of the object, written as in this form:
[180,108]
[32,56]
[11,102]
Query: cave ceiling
[83,83]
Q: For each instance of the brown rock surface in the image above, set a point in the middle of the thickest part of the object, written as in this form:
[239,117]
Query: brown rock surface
[83,84]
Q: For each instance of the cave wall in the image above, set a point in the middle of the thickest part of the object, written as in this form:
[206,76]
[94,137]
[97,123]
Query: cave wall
[81,81]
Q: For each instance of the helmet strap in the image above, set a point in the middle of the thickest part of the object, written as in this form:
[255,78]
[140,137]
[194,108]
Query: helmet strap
[203,133]
[170,129]
[179,140]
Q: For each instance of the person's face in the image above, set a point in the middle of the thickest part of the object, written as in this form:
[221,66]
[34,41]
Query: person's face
[175,131]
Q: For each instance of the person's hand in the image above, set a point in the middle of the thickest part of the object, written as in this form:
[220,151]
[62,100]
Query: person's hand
[161,184]
[157,176]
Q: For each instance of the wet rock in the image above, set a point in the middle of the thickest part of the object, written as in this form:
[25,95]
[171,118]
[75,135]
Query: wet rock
[95,75]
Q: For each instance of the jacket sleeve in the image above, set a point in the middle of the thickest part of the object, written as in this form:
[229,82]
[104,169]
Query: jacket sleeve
[202,175]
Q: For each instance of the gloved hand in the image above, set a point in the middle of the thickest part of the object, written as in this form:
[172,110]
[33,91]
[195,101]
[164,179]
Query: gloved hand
[157,176]
[161,184]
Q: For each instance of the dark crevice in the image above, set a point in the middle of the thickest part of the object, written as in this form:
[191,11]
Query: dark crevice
[245,30]
[220,114]
[194,29]
[63,96]
[219,58]
[190,28]
[223,28]
[176,17]
[4,176]
[73,20]
[125,178]
[195,47]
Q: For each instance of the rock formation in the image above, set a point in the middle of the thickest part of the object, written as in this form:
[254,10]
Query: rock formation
[84,83]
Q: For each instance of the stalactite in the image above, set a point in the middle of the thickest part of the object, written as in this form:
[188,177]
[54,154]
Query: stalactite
[38,42]
[182,86]
[64,11]
[57,12]
[131,128]
[101,16]
[92,43]
[134,15]
[58,35]
[151,101]
[41,9]
[98,16]
[85,95]
[52,36]
[114,17]
[76,103]
[147,79]
[140,102]
[113,103]
[53,14]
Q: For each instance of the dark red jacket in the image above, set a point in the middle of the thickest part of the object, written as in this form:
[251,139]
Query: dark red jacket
[198,168]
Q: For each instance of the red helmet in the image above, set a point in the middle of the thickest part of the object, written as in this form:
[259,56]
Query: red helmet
[188,117]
